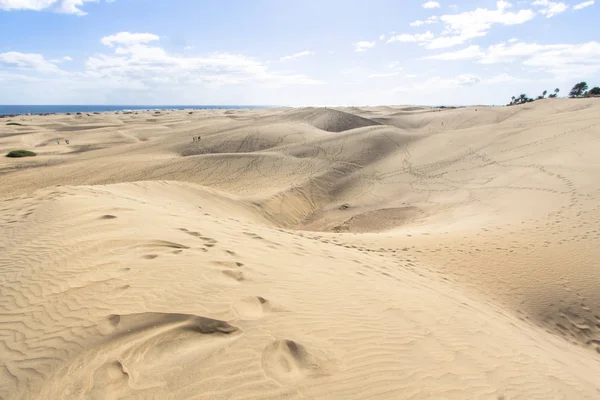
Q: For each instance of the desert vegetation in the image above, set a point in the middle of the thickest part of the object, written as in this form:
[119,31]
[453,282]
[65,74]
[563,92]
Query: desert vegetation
[20,153]
[580,90]
[524,98]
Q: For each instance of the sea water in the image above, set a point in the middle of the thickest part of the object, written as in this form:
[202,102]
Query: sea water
[62,109]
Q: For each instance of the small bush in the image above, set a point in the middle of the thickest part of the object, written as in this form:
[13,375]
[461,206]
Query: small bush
[14,123]
[21,153]
[595,91]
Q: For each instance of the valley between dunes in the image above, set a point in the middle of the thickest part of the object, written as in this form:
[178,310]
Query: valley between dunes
[313,253]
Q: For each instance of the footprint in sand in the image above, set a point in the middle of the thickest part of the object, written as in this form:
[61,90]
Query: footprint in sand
[108,377]
[288,361]
[231,273]
[228,264]
[235,275]
[253,235]
[158,244]
[251,307]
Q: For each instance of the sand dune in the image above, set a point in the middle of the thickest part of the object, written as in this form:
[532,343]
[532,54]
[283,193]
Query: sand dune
[328,119]
[384,252]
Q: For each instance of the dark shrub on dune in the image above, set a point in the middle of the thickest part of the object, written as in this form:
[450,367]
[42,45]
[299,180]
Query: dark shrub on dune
[21,153]
[595,91]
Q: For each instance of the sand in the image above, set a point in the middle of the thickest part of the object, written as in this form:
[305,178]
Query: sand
[376,252]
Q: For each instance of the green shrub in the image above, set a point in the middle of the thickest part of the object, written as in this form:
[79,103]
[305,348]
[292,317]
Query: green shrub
[21,153]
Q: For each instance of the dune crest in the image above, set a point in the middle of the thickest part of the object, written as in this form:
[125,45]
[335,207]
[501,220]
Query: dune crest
[329,119]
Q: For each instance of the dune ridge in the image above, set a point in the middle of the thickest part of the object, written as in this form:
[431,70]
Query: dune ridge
[366,252]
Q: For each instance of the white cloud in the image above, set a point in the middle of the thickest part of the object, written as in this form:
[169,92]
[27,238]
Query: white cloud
[502,78]
[469,53]
[513,40]
[60,60]
[383,75]
[350,71]
[393,69]
[28,61]
[431,4]
[363,45]
[297,55]
[566,60]
[408,38]
[72,6]
[428,21]
[550,8]
[60,6]
[502,53]
[136,61]
[437,83]
[460,28]
[34,5]
[583,5]
[188,47]
[467,80]
[556,59]
[382,37]
[472,24]
[128,39]
[19,78]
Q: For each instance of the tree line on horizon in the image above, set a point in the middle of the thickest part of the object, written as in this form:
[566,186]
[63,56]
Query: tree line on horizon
[580,90]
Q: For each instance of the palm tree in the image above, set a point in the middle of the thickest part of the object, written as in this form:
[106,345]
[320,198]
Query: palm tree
[513,100]
[544,93]
[522,98]
[555,94]
[578,90]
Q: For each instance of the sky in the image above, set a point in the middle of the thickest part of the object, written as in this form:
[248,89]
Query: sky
[303,52]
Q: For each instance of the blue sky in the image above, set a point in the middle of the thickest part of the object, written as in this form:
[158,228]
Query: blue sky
[308,52]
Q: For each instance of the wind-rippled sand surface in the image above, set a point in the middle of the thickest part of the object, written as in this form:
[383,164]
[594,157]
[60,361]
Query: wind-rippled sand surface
[350,253]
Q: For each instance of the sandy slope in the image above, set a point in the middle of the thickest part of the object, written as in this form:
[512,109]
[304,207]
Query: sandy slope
[388,252]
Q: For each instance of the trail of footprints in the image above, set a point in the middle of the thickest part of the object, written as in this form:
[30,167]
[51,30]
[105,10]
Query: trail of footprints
[285,361]
[208,242]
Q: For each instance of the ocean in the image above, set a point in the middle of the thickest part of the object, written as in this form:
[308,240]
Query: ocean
[61,109]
